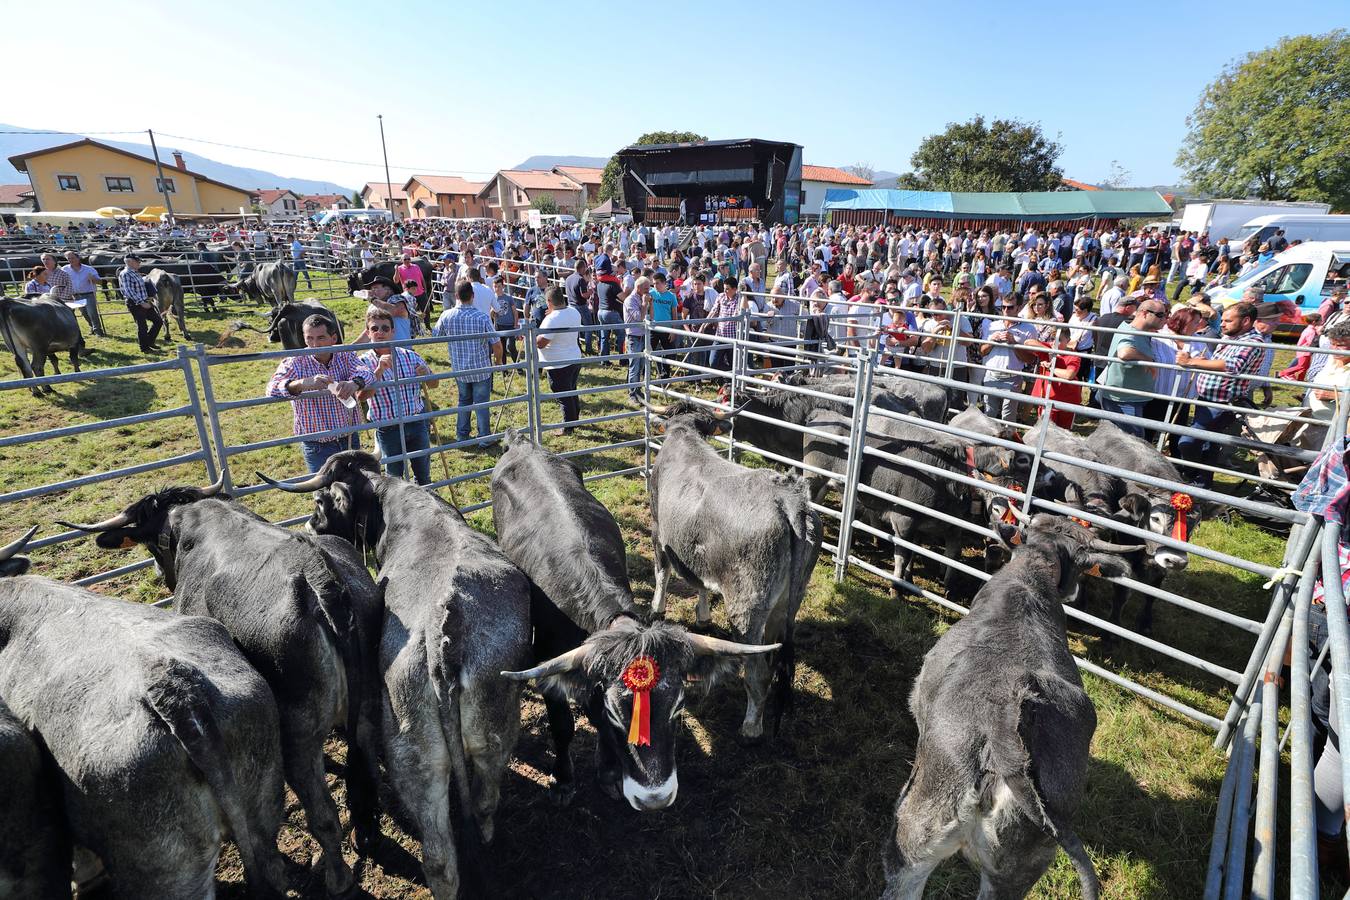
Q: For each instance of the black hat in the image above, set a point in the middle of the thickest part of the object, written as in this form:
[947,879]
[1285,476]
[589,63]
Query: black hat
[384,280]
[130,256]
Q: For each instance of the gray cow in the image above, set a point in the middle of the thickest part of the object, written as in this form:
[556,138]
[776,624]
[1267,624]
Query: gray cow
[164,736]
[748,534]
[306,614]
[1004,727]
[270,281]
[584,617]
[457,614]
[169,300]
[923,489]
[38,329]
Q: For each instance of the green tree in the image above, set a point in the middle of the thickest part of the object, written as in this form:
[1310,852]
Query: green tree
[546,204]
[1272,124]
[356,200]
[611,181]
[1002,155]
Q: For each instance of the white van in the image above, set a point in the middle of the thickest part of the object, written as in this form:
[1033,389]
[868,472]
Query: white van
[1297,228]
[1304,274]
[354,215]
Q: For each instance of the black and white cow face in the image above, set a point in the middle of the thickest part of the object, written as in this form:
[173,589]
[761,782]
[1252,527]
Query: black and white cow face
[146,522]
[1173,516]
[641,674]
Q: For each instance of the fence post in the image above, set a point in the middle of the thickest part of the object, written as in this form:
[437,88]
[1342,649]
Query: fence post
[862,396]
[1302,827]
[737,372]
[213,415]
[532,382]
[195,399]
[647,398]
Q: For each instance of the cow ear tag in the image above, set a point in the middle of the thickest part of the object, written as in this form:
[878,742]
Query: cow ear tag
[640,677]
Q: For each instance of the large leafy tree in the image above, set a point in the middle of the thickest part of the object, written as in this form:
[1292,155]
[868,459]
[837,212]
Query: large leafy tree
[1002,155]
[1273,124]
[610,181]
[547,204]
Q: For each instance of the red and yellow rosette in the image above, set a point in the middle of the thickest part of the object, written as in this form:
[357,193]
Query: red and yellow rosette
[1182,503]
[1008,516]
[640,677]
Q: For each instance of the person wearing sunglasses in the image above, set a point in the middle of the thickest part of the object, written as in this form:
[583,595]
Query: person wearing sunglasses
[392,407]
[1131,351]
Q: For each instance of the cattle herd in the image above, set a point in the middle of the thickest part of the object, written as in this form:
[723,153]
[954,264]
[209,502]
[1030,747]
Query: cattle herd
[130,761]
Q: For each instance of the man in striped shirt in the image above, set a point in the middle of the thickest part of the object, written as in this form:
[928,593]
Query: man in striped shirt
[140,303]
[339,376]
[392,407]
[1222,382]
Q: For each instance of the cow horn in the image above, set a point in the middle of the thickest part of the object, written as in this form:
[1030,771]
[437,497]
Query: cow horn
[1107,547]
[121,520]
[214,488]
[1017,513]
[315,482]
[723,416]
[652,408]
[567,662]
[711,646]
[17,547]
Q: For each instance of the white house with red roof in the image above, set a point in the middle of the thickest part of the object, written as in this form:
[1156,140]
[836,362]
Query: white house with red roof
[816,180]
[279,203]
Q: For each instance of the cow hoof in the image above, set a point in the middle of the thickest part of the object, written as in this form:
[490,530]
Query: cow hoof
[562,793]
[339,885]
[702,626]
[749,740]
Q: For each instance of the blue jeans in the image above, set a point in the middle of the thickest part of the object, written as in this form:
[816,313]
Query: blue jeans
[610,317]
[391,443]
[471,392]
[637,366]
[1133,408]
[316,453]
[1197,449]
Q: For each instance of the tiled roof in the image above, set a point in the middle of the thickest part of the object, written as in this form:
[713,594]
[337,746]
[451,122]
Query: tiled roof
[581,174]
[832,175]
[376,190]
[446,184]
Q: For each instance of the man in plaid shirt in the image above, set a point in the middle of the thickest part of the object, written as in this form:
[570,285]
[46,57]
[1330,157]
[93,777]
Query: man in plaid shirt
[470,354]
[139,302]
[1221,382]
[339,375]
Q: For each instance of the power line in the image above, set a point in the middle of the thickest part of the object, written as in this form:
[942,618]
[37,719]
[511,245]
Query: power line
[345,162]
[72,133]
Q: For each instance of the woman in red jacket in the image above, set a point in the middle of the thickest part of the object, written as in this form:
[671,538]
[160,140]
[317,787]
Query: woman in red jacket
[1066,366]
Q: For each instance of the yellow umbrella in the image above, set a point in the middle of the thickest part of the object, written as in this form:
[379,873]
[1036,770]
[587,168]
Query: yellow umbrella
[112,212]
[150,214]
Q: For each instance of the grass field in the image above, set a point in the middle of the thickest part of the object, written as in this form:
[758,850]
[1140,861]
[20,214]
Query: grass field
[801,817]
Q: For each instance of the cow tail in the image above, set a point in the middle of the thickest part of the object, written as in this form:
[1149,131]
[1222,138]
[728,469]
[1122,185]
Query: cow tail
[12,342]
[805,549]
[335,612]
[444,663]
[177,694]
[1012,764]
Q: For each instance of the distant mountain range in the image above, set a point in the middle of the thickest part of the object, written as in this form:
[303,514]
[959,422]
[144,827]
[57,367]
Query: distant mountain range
[239,176]
[548,162]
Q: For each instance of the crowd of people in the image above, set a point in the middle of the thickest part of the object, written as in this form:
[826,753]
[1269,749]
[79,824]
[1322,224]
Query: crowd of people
[1122,319]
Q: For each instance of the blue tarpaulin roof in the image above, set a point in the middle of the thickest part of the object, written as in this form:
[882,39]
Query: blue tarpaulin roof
[1047,205]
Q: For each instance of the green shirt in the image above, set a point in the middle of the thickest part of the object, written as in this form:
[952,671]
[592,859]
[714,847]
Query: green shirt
[1130,375]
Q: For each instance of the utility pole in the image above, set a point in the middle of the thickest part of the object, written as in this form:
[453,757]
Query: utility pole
[159,169]
[388,185]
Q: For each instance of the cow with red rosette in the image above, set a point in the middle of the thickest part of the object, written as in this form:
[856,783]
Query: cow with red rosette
[595,644]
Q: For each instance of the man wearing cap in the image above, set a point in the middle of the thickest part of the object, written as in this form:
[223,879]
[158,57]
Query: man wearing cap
[1267,317]
[385,296]
[138,296]
[609,306]
[84,282]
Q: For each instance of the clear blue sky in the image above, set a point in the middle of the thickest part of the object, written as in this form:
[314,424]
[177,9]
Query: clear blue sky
[474,87]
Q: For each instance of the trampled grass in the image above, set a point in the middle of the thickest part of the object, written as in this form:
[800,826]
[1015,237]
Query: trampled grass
[804,816]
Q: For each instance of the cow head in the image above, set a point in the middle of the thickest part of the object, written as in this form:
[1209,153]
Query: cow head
[705,421]
[998,462]
[1161,512]
[11,563]
[345,501]
[631,665]
[146,522]
[1076,549]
